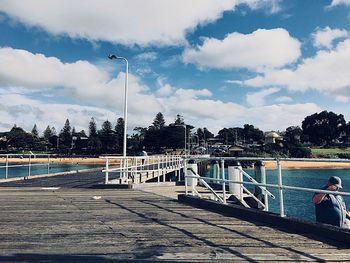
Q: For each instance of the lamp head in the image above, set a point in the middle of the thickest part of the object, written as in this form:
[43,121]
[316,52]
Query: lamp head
[112,56]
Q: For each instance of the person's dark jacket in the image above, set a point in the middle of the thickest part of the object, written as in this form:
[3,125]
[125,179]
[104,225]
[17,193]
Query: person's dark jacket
[330,211]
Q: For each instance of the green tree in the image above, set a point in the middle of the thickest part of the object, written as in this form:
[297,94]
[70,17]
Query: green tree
[323,128]
[19,139]
[35,132]
[66,136]
[47,133]
[107,137]
[53,130]
[293,135]
[226,136]
[179,120]
[207,134]
[159,121]
[252,134]
[119,132]
[92,128]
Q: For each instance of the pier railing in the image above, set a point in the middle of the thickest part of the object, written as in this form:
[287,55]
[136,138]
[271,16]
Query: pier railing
[9,161]
[222,195]
[138,169]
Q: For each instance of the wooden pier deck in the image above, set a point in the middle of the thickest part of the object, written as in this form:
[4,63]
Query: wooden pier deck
[124,225]
[92,225]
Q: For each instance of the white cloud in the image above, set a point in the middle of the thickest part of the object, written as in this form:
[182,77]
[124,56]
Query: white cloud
[258,98]
[259,50]
[341,98]
[162,22]
[283,99]
[148,56]
[239,82]
[285,115]
[165,91]
[272,6]
[80,80]
[25,112]
[339,2]
[326,72]
[82,83]
[325,37]
[216,114]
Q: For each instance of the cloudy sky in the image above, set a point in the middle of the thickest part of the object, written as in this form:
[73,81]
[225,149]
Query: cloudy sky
[220,64]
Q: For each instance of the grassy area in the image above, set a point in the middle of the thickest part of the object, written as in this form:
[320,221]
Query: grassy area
[329,151]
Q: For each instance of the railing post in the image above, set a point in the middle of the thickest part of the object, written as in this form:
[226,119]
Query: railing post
[29,165]
[280,189]
[185,176]
[260,177]
[107,173]
[235,174]
[223,181]
[7,166]
[127,168]
[48,163]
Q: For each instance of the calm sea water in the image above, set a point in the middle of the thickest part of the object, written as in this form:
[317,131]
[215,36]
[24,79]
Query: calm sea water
[41,169]
[298,204]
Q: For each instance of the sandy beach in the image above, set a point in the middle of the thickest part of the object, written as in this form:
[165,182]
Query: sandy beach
[307,165]
[55,160]
[101,161]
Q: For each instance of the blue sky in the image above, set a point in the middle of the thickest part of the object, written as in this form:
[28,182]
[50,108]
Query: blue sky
[225,63]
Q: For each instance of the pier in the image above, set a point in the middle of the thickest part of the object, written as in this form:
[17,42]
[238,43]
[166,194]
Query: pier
[74,218]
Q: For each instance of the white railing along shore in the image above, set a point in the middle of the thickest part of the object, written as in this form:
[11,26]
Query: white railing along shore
[23,160]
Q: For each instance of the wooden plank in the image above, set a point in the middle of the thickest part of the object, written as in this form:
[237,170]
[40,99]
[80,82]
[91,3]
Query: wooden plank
[129,224]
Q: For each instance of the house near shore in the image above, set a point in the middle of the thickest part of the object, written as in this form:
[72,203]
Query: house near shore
[235,150]
[272,137]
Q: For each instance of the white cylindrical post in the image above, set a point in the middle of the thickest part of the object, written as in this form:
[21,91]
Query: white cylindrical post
[223,181]
[29,165]
[107,173]
[185,177]
[215,171]
[260,177]
[192,181]
[7,166]
[48,164]
[280,189]
[126,168]
[235,174]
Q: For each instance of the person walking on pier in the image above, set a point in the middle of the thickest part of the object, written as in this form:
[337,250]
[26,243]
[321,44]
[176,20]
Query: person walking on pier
[330,208]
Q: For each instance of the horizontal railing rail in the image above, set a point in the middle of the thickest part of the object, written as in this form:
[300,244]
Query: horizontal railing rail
[23,160]
[132,168]
[279,186]
[17,163]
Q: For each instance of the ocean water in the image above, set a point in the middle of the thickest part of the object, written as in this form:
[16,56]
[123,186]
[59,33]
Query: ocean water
[41,169]
[298,204]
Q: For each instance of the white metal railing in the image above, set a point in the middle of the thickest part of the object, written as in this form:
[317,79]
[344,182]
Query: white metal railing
[279,185]
[8,161]
[132,168]
[203,180]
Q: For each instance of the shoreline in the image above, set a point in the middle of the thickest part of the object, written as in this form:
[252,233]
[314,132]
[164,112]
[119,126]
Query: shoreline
[299,165]
[268,164]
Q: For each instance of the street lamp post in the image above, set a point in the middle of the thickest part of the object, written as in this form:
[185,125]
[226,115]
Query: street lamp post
[112,56]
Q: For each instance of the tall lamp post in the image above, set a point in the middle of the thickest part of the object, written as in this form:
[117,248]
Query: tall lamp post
[112,56]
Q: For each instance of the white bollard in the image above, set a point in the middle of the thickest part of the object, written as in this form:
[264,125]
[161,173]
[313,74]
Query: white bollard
[215,171]
[235,174]
[192,181]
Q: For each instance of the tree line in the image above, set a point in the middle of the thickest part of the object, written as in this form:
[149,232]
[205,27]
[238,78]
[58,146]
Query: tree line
[319,129]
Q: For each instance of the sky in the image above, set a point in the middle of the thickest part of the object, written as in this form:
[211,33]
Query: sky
[219,64]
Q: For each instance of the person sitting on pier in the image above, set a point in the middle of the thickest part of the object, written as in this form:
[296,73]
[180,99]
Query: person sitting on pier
[330,208]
